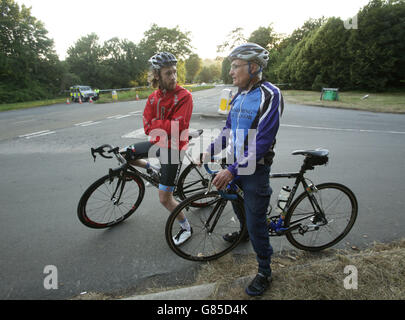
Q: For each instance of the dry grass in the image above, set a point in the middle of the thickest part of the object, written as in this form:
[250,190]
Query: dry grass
[299,275]
[306,276]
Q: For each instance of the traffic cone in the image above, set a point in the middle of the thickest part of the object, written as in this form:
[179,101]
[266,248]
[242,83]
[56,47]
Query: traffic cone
[67,101]
[137,97]
[80,100]
[91,100]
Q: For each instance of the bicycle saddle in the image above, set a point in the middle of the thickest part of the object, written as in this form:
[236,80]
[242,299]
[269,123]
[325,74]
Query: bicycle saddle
[314,153]
[195,134]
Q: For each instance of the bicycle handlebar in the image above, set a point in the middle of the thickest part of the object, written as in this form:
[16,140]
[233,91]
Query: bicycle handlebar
[100,150]
[209,170]
[224,194]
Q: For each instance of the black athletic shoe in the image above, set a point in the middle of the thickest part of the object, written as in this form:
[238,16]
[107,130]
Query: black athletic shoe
[258,285]
[232,237]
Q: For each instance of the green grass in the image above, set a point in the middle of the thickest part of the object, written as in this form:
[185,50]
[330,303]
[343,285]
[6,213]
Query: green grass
[393,102]
[31,104]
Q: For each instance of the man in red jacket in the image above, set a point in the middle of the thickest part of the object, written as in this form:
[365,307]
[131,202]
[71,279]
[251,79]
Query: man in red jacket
[166,120]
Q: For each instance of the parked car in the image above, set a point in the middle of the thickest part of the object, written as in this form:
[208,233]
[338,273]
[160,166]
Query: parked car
[84,92]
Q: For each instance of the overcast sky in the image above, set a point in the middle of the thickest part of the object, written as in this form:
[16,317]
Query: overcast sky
[209,21]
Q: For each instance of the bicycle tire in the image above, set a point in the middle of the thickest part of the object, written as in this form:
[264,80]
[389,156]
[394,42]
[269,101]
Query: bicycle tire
[204,245]
[190,183]
[330,195]
[96,208]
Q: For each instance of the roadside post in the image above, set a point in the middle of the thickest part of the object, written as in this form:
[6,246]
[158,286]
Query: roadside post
[224,105]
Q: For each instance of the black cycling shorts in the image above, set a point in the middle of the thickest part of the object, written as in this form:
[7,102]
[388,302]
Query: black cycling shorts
[169,166]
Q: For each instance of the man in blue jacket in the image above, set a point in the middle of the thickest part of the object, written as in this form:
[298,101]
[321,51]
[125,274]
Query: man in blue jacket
[250,136]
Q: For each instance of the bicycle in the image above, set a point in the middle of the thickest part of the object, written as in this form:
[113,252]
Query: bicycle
[116,196]
[318,218]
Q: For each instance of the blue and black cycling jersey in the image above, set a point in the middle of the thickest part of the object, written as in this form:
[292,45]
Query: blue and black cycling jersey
[251,127]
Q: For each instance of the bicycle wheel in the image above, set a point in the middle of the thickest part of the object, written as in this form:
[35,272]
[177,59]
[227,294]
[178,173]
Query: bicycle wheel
[339,205]
[98,207]
[209,224]
[192,180]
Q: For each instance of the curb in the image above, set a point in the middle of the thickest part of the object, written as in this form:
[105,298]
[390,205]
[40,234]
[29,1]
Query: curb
[210,115]
[199,292]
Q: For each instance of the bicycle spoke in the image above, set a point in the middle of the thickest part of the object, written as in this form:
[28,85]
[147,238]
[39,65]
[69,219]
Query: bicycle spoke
[336,203]
[100,207]
[203,244]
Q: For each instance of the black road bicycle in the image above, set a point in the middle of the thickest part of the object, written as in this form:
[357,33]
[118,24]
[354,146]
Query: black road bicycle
[318,218]
[117,195]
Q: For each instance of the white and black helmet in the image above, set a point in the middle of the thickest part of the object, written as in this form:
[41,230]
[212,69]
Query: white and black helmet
[250,52]
[162,59]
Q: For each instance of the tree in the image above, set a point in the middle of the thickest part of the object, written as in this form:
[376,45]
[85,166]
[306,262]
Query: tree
[233,39]
[265,37]
[193,67]
[225,68]
[377,46]
[84,59]
[210,72]
[158,39]
[29,66]
[319,59]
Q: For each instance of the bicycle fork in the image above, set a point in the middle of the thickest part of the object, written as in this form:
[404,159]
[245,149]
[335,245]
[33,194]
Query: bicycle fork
[217,212]
[120,185]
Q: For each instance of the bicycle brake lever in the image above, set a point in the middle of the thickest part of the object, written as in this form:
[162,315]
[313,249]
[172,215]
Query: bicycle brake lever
[210,183]
[92,153]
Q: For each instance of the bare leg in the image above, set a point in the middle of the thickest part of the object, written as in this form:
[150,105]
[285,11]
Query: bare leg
[139,163]
[167,200]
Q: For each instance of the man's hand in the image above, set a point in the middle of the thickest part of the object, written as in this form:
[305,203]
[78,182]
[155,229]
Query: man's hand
[222,179]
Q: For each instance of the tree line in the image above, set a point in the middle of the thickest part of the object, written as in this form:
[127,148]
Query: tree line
[322,53]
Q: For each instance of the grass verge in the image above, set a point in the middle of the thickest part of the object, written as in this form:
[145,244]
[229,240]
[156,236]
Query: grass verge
[392,102]
[31,104]
[299,275]
[317,276]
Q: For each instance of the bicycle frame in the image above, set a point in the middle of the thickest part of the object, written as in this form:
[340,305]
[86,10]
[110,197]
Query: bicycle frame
[121,171]
[277,226]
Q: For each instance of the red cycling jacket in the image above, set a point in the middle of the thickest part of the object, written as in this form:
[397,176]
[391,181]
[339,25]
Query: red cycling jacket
[169,111]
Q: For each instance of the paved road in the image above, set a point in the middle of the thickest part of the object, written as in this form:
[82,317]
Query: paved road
[46,165]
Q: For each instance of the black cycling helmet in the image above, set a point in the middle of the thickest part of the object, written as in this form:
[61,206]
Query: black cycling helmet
[250,52]
[162,59]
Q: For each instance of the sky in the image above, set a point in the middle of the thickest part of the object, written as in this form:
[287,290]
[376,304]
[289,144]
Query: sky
[209,21]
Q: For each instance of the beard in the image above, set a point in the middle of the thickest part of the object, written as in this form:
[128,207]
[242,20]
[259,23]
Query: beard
[164,85]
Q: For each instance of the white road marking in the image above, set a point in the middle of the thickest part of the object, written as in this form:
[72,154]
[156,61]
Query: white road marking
[32,134]
[90,123]
[124,116]
[83,123]
[341,129]
[46,132]
[120,116]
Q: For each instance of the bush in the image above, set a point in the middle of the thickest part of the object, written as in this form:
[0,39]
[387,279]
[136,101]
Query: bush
[32,92]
